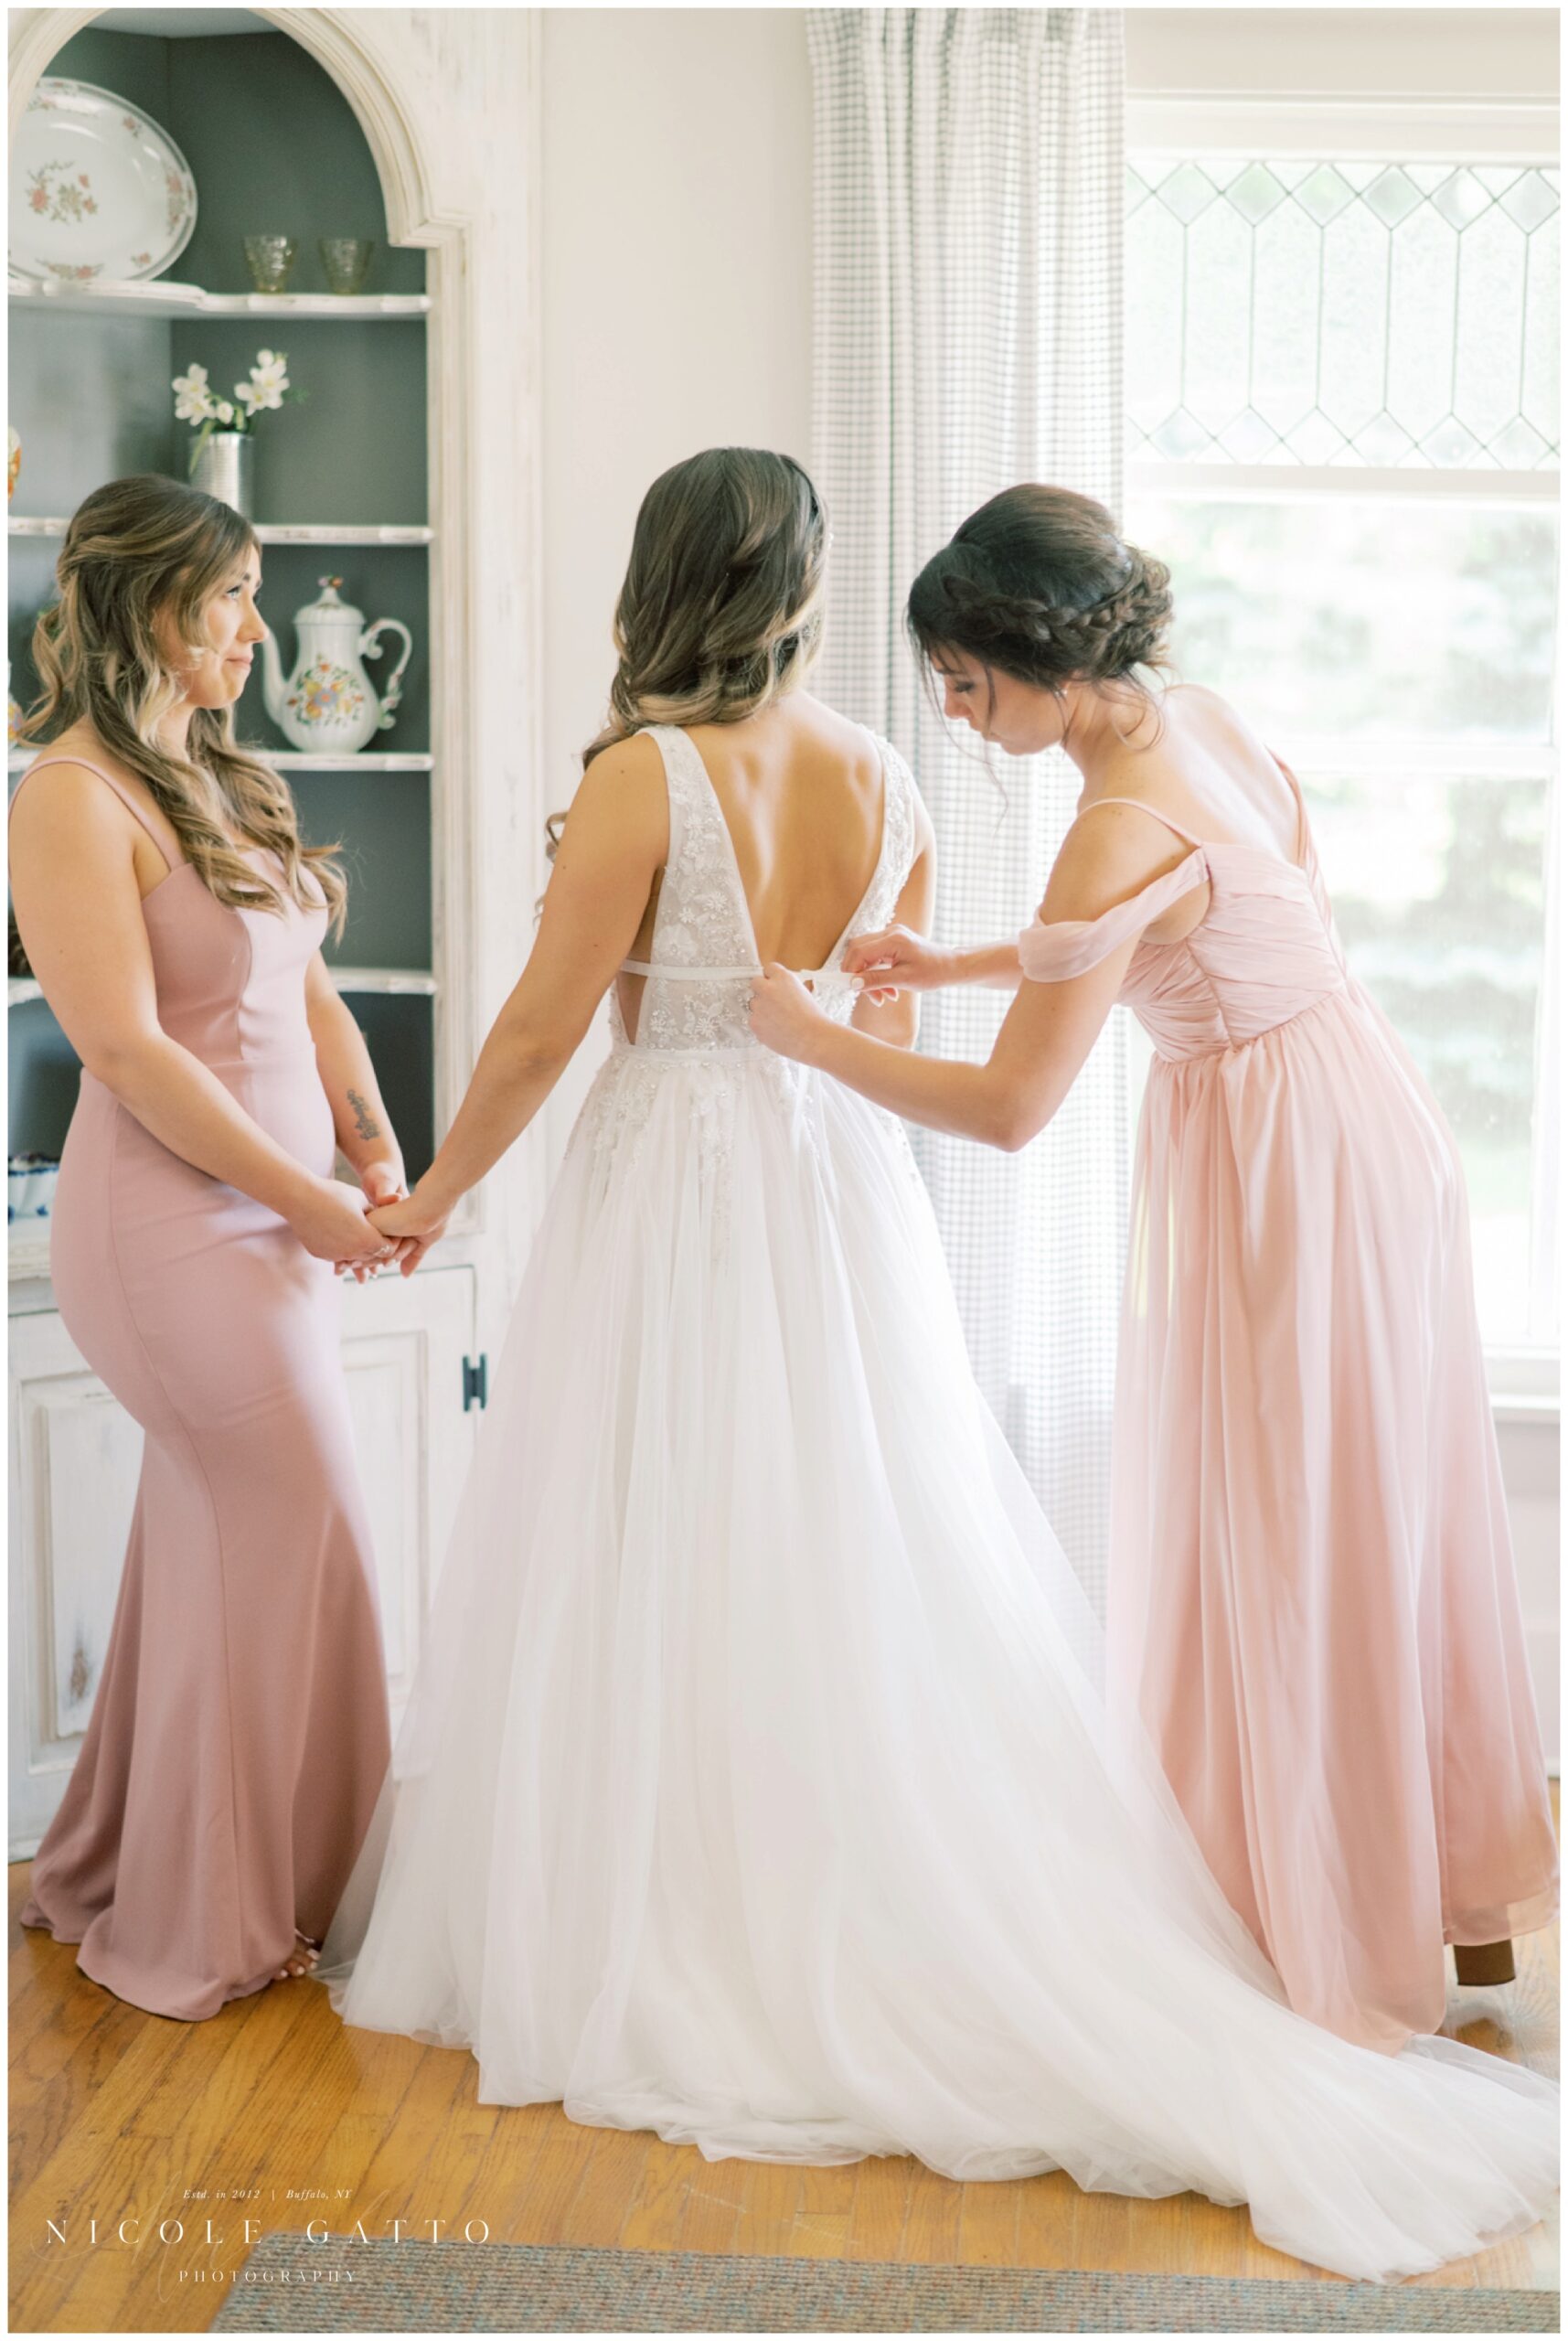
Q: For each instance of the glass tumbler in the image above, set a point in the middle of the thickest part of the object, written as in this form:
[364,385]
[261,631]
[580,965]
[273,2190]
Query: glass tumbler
[271,260]
[345,261]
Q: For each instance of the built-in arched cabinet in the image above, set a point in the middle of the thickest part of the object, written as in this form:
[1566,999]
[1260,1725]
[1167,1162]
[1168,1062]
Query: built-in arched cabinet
[407,473]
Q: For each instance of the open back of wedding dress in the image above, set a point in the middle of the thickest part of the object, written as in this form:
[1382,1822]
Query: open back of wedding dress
[755,1788]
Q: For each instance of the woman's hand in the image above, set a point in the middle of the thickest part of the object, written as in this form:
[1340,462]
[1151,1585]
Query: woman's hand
[411,1226]
[330,1223]
[897,960]
[382,1184]
[784,1017]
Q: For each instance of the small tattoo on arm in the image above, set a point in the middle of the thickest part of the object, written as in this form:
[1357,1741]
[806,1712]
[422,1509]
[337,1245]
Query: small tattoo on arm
[365,1121]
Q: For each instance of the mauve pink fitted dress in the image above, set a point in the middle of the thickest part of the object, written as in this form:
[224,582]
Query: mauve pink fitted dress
[240,1734]
[1312,1597]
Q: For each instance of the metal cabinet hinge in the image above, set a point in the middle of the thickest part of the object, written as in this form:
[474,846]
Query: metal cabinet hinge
[476,1382]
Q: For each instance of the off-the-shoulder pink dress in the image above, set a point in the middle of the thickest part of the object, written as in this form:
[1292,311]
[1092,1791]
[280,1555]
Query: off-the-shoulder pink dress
[238,1734]
[1312,1596]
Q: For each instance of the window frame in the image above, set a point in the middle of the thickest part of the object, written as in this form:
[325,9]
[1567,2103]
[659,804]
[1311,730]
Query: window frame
[1523,1376]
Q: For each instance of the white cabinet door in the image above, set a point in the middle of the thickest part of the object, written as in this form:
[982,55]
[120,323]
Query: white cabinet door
[75,1456]
[405,1341]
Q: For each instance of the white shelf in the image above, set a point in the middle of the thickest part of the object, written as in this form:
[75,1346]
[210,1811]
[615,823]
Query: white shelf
[323,532]
[276,532]
[27,1248]
[161,299]
[370,760]
[394,981]
[283,760]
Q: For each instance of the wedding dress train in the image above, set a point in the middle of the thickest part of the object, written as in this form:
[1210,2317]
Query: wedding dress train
[755,1789]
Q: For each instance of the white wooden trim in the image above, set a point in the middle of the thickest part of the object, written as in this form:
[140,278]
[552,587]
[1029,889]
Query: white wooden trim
[1458,759]
[1371,129]
[1528,1380]
[1289,483]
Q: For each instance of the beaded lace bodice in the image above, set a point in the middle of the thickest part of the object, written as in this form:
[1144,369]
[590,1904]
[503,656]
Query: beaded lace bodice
[703,958]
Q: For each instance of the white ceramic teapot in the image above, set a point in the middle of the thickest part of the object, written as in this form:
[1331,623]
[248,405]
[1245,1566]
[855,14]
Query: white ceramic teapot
[328,702]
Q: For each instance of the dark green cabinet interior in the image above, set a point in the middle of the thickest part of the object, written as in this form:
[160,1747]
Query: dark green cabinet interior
[272,141]
[274,147]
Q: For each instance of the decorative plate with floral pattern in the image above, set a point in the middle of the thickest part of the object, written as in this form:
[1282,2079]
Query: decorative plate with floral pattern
[99,195]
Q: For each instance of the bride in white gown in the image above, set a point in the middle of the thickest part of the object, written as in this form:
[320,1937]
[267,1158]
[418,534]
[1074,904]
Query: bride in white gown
[755,1788]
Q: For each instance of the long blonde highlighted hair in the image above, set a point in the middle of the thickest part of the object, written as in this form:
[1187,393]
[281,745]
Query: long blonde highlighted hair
[721,607]
[135,549]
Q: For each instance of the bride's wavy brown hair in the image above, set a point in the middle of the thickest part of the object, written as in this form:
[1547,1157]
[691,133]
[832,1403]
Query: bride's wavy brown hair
[134,551]
[721,607]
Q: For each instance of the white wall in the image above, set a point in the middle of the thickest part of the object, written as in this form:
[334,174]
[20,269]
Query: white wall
[677,303]
[1348,51]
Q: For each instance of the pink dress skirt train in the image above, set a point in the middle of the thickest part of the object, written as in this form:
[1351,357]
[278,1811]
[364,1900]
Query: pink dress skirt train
[1312,1598]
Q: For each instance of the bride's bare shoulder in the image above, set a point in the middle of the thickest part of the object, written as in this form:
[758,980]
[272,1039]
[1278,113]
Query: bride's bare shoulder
[637,756]
[837,739]
[623,794]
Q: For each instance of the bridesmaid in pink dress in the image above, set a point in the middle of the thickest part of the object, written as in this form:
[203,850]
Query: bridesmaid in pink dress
[239,1736]
[1312,1599]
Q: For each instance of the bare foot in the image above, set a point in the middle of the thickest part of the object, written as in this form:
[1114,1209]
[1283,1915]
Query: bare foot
[301,1959]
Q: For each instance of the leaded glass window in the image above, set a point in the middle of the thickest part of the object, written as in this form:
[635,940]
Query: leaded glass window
[1342,434]
[1298,311]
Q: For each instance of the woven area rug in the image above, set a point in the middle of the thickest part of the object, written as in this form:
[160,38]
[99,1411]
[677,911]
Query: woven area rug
[290,2287]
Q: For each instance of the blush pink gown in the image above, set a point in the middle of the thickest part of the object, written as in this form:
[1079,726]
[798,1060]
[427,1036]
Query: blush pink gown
[240,1734]
[1312,1596]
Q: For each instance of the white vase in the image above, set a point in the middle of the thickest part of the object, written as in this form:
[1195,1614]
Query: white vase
[225,467]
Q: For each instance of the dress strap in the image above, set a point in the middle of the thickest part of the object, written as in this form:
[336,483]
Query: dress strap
[167,845]
[1070,946]
[1303,833]
[1152,810]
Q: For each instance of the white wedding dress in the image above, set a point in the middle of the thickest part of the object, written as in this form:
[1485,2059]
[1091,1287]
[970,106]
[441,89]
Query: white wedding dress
[755,1788]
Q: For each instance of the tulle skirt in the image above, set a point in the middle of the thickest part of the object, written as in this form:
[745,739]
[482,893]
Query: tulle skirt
[755,1788]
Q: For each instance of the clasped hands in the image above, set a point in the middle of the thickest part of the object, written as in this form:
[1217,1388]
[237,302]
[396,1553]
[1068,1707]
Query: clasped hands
[407,1228]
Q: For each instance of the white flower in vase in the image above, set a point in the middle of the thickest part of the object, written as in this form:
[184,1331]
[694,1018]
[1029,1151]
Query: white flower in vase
[268,380]
[194,402]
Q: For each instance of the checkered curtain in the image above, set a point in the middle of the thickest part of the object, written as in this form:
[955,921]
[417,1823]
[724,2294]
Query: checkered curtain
[968,167]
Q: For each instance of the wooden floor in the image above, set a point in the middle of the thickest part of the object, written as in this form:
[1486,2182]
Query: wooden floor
[273,2112]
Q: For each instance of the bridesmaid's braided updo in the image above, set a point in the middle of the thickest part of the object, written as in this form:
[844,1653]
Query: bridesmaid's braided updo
[1038,584]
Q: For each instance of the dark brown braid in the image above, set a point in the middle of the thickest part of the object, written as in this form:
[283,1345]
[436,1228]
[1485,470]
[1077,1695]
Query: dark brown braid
[1039,585]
